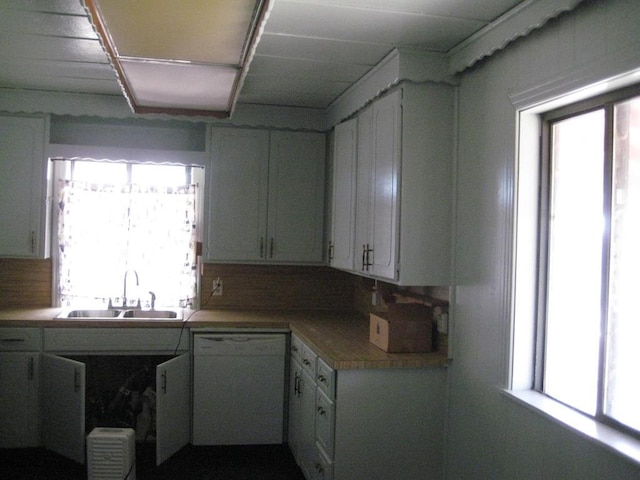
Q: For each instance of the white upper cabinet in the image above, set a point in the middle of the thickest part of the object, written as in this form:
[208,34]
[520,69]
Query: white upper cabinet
[403,199]
[378,173]
[23,191]
[266,201]
[343,215]
[296,197]
[237,182]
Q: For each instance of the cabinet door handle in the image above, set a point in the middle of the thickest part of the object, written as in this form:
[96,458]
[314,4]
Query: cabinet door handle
[319,468]
[261,247]
[76,380]
[330,251]
[321,411]
[306,362]
[367,255]
[364,254]
[33,241]
[271,248]
[322,378]
[296,384]
[31,368]
[164,381]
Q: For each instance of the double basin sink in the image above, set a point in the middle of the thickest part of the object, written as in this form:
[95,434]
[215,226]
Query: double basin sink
[122,314]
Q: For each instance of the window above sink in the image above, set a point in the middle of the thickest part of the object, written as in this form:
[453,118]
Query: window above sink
[119,217]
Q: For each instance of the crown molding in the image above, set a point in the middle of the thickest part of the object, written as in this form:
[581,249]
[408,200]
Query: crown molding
[516,23]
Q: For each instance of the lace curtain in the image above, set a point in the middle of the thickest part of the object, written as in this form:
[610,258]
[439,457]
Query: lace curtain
[111,232]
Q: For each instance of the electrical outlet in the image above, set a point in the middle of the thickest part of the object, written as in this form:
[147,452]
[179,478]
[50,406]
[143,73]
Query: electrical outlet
[217,287]
[443,323]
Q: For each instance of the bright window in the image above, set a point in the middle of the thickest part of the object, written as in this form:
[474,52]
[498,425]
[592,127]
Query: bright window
[590,260]
[125,230]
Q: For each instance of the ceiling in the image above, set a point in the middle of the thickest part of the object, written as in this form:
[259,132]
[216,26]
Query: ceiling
[310,52]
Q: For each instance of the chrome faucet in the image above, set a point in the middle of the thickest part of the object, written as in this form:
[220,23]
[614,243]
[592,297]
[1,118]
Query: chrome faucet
[124,291]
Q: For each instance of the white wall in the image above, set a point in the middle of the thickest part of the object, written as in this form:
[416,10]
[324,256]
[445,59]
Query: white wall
[488,435]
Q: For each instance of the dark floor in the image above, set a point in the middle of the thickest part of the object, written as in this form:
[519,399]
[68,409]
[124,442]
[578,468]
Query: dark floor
[263,462]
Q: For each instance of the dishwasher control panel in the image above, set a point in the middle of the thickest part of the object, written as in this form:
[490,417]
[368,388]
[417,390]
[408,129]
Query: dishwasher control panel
[270,344]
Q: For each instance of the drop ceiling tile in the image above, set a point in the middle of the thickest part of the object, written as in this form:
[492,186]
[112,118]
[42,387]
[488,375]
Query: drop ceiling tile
[51,48]
[46,24]
[283,67]
[353,24]
[321,49]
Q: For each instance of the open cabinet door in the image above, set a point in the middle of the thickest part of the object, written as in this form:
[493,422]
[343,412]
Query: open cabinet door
[173,387]
[63,394]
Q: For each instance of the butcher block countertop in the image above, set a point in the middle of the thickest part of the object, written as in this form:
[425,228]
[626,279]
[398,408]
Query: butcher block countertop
[341,339]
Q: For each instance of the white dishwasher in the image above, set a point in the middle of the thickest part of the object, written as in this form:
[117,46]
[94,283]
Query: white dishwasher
[238,388]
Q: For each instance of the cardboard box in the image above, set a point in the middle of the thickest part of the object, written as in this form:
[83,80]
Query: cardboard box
[407,327]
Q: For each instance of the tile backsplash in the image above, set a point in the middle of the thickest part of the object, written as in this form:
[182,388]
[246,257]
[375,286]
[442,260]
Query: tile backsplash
[278,287]
[25,282]
[28,283]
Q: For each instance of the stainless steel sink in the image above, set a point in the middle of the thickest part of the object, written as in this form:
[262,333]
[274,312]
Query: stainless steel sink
[122,314]
[90,314]
[152,314]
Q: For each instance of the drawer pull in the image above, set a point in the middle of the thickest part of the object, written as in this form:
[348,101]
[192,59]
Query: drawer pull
[321,411]
[13,340]
[319,468]
[322,378]
[306,362]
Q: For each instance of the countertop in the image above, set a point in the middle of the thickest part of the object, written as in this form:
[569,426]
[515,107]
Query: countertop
[341,339]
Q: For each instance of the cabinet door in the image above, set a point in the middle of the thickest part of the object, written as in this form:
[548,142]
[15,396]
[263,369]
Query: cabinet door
[63,406]
[364,181]
[19,399]
[294,437]
[238,195]
[172,408]
[302,418]
[324,419]
[385,166]
[22,188]
[307,394]
[296,197]
[343,205]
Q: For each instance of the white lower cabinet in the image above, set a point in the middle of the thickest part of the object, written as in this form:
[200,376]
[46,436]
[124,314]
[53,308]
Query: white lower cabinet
[19,387]
[369,423]
[302,417]
[75,355]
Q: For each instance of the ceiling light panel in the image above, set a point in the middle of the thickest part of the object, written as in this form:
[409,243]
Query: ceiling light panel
[180,56]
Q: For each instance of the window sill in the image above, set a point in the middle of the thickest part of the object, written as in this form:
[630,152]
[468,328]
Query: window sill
[596,432]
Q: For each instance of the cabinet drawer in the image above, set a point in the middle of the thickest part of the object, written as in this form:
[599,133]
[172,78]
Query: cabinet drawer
[308,361]
[20,339]
[322,466]
[325,415]
[130,340]
[325,377]
[296,348]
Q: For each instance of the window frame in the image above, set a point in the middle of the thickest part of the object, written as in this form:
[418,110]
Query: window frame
[61,161]
[607,103]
